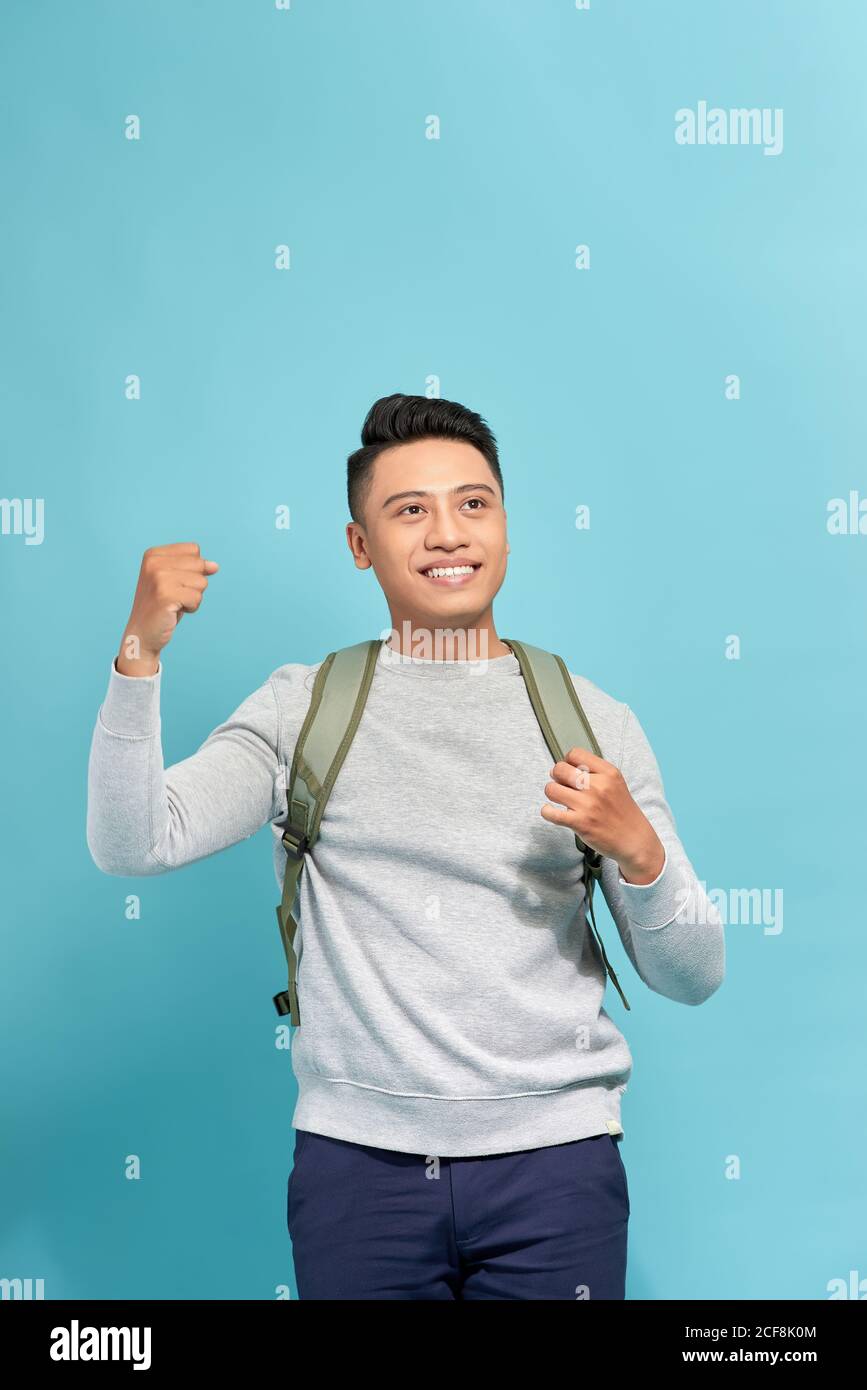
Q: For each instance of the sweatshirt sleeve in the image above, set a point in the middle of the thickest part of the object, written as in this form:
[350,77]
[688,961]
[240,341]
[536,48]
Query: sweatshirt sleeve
[143,818]
[670,930]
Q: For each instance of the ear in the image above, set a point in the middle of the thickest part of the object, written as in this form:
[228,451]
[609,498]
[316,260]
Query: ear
[353,534]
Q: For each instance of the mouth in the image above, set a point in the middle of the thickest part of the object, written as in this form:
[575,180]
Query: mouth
[450,576]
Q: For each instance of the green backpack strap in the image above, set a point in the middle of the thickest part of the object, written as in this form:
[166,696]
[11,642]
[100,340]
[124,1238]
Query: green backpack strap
[325,738]
[323,742]
[564,725]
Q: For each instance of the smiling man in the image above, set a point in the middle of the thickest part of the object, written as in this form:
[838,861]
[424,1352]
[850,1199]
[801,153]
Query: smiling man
[459,1080]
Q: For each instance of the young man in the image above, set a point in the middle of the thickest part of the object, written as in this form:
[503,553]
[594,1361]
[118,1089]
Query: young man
[458,1115]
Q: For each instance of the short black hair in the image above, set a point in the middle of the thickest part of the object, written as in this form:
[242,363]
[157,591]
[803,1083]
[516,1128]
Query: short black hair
[397,420]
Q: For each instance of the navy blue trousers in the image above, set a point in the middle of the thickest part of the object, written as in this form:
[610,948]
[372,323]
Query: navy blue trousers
[546,1223]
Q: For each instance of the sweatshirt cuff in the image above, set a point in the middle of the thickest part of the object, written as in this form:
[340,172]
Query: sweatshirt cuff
[652,904]
[131,707]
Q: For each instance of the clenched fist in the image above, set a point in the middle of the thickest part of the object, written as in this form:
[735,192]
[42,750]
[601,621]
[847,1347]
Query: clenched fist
[171,583]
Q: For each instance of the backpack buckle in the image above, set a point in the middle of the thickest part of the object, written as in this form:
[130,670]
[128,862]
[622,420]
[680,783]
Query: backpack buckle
[593,861]
[295,842]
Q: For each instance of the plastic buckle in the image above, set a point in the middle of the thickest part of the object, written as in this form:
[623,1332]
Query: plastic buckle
[282,1003]
[297,843]
[593,862]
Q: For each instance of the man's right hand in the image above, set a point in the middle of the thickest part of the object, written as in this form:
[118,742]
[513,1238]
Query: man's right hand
[171,583]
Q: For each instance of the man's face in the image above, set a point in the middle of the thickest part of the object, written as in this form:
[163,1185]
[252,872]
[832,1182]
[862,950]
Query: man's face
[454,516]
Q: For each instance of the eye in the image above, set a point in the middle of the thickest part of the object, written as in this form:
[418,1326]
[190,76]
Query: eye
[410,505]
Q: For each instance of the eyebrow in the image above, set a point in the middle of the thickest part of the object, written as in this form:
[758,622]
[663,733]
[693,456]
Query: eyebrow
[464,487]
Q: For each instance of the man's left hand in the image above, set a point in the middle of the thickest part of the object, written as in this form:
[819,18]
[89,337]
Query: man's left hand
[594,801]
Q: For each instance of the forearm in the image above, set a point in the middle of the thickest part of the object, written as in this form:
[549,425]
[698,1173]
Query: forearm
[126,800]
[143,818]
[671,930]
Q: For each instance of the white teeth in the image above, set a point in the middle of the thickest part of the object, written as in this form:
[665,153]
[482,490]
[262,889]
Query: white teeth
[449,569]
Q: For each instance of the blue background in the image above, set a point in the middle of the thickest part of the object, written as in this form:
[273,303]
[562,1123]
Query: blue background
[414,260]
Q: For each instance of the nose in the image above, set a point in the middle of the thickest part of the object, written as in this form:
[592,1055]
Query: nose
[444,530]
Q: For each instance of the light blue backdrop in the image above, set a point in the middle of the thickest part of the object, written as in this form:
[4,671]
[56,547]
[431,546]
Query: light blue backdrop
[444,265]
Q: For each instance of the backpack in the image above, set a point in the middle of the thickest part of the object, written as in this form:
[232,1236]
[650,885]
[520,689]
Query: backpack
[337,702]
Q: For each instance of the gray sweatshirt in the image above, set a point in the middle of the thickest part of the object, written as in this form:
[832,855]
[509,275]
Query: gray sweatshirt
[450,990]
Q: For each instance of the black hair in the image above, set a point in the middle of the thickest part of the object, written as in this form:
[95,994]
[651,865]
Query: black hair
[397,420]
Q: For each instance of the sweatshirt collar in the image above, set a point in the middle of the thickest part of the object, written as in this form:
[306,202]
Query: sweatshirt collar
[433,669]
